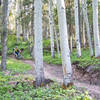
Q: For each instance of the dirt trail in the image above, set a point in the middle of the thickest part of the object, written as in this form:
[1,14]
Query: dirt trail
[55,73]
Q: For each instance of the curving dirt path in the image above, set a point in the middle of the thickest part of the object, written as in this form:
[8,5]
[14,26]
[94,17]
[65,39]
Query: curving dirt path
[55,73]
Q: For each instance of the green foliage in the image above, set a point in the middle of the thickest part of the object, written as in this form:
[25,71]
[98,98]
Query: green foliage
[27,2]
[26,91]
[12,44]
[46,43]
[55,16]
[17,66]
[7,90]
[50,60]
[83,61]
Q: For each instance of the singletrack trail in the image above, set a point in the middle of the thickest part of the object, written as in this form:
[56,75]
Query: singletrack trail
[54,72]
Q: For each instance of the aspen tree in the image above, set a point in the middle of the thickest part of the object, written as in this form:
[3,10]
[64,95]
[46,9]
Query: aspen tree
[96,28]
[4,34]
[38,42]
[65,53]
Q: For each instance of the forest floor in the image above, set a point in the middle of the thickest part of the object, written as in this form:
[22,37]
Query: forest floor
[89,81]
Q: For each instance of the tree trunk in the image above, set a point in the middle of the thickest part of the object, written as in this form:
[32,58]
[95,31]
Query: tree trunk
[32,34]
[38,42]
[47,33]
[83,35]
[78,44]
[84,7]
[18,25]
[95,28]
[66,62]
[71,43]
[18,30]
[83,29]
[51,29]
[4,34]
[70,26]
[0,2]
[25,35]
[57,42]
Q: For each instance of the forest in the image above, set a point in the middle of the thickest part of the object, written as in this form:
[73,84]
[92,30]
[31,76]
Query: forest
[49,50]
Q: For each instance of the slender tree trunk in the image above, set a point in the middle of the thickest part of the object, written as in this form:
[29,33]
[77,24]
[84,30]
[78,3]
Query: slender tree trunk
[18,30]
[32,24]
[25,35]
[83,29]
[32,33]
[87,26]
[0,2]
[18,25]
[70,25]
[51,29]
[47,33]
[78,44]
[71,40]
[4,34]
[38,42]
[66,62]
[96,28]
[57,42]
[83,35]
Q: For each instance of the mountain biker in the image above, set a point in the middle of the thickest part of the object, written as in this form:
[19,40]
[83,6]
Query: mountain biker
[16,51]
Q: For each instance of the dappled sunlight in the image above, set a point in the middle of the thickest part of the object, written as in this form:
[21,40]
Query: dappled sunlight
[10,62]
[17,66]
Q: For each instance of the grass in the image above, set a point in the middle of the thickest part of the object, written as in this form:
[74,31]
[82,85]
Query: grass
[28,92]
[17,66]
[24,89]
[84,61]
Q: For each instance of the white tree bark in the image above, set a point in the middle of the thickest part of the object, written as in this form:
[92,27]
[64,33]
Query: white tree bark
[47,33]
[84,8]
[96,28]
[51,29]
[66,62]
[25,34]
[38,42]
[78,44]
[18,30]
[83,35]
[57,42]
[71,43]
[18,26]
[4,34]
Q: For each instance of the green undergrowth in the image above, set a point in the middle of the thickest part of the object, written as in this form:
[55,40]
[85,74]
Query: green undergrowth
[11,43]
[17,66]
[24,90]
[17,84]
[28,92]
[84,61]
[50,60]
